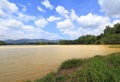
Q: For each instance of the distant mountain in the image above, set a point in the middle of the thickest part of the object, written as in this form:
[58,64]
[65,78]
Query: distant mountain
[25,41]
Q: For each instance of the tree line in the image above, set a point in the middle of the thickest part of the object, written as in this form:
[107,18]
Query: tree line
[2,43]
[111,35]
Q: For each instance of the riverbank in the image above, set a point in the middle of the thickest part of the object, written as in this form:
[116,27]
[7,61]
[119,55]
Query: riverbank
[95,69]
[114,46]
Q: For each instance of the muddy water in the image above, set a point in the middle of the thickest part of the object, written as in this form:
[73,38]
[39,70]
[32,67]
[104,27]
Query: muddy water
[19,63]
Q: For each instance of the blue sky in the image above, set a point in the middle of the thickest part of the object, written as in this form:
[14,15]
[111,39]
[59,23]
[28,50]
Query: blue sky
[56,19]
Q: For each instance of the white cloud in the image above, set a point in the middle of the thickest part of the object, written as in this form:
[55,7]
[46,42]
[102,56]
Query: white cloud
[26,18]
[49,35]
[7,7]
[15,29]
[53,18]
[28,28]
[66,24]
[66,27]
[14,25]
[62,11]
[92,21]
[41,22]
[93,24]
[40,9]
[47,4]
[110,7]
[73,15]
[2,13]
[88,24]
[115,22]
[19,25]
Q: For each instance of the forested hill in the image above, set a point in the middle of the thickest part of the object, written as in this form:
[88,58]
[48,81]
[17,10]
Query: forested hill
[111,35]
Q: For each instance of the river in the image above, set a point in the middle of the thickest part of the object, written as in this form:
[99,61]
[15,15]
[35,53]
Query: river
[28,62]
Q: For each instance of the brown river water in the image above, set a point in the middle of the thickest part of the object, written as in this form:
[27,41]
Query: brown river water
[29,62]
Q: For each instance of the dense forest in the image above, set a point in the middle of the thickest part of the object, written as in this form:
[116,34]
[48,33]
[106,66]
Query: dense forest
[111,35]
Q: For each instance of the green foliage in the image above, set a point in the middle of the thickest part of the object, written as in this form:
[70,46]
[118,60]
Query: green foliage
[88,39]
[45,43]
[71,64]
[62,42]
[112,39]
[114,61]
[111,35]
[48,78]
[2,43]
[51,78]
[96,69]
[61,79]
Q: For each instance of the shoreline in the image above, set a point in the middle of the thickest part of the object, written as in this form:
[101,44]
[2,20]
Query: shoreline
[72,70]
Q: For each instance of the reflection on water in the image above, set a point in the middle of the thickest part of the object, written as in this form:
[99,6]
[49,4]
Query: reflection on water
[19,63]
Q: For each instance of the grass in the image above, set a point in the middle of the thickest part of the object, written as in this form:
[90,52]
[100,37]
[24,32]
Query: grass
[71,64]
[114,46]
[96,69]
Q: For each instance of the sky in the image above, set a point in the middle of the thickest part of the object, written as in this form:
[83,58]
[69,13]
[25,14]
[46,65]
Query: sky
[56,19]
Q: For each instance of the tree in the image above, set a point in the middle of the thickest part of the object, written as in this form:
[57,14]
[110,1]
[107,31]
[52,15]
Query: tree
[112,34]
[2,43]
[88,39]
[62,42]
[116,28]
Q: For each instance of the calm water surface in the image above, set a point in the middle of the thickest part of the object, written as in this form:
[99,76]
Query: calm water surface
[19,63]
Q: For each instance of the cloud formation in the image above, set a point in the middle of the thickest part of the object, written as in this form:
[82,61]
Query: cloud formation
[7,7]
[47,4]
[73,15]
[110,7]
[88,24]
[62,11]
[19,25]
[16,23]
[66,24]
[92,21]
[53,18]
[41,22]
[94,24]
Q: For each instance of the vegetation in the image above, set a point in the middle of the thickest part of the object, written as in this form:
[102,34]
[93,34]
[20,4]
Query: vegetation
[111,35]
[2,43]
[45,43]
[71,64]
[114,46]
[96,69]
